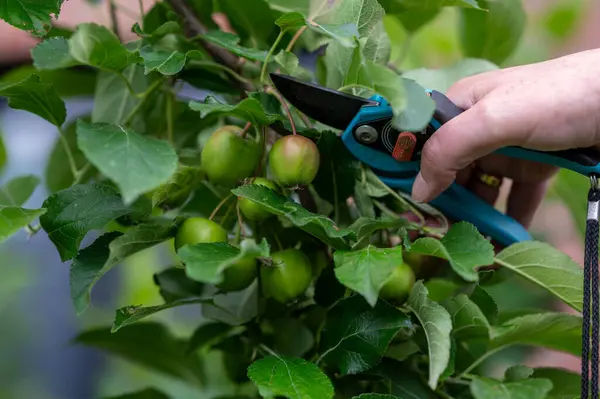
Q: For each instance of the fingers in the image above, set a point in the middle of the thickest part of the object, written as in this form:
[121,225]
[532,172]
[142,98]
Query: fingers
[524,199]
[453,147]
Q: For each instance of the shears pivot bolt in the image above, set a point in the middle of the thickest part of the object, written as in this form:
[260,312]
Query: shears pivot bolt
[366,134]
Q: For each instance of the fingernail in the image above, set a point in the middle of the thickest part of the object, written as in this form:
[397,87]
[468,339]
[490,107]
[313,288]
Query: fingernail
[420,190]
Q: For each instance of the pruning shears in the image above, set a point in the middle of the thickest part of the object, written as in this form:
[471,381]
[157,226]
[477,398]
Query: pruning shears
[394,156]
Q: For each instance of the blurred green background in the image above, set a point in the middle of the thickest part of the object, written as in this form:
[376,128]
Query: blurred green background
[38,320]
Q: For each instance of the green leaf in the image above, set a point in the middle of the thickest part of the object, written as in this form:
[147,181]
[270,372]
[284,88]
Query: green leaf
[13,219]
[99,47]
[342,33]
[396,6]
[231,42]
[486,388]
[58,175]
[366,271]
[290,377]
[442,79]
[405,383]
[148,393]
[52,54]
[177,186]
[441,288]
[291,337]
[337,171]
[30,15]
[486,303]
[131,314]
[252,19]
[165,62]
[357,335]
[150,345]
[174,285]
[493,35]
[319,226]
[375,396]
[367,15]
[112,100]
[210,334]
[365,227]
[437,325]
[547,267]
[93,262]
[136,163]
[517,373]
[566,384]
[419,108]
[206,262]
[463,246]
[18,190]
[72,212]
[250,109]
[32,95]
[415,19]
[468,321]
[287,61]
[559,331]
[233,308]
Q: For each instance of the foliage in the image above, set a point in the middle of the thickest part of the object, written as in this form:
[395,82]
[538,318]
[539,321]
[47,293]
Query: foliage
[131,172]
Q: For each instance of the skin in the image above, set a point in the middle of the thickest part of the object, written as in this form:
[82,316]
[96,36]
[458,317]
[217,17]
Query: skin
[399,284]
[228,158]
[294,160]
[288,277]
[547,106]
[199,230]
[253,211]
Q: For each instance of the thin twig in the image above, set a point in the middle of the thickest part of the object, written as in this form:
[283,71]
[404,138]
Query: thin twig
[299,33]
[69,153]
[240,219]
[196,28]
[82,172]
[263,71]
[114,21]
[274,92]
[304,118]
[219,206]
[245,130]
[143,98]
[170,121]
[234,74]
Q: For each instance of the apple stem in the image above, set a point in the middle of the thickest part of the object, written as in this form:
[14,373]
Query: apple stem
[246,128]
[274,92]
[241,230]
[219,206]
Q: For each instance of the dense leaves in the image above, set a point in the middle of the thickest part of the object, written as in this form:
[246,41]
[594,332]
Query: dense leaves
[151,345]
[357,335]
[34,16]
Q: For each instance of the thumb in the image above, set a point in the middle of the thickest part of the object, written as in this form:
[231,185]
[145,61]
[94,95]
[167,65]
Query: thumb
[452,148]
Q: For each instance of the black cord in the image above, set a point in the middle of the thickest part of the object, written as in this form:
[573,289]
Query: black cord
[591,300]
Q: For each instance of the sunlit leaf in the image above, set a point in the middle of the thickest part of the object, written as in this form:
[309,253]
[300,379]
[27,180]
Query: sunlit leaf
[437,325]
[291,377]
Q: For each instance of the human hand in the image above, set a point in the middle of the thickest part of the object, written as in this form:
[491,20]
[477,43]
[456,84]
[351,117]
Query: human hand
[547,106]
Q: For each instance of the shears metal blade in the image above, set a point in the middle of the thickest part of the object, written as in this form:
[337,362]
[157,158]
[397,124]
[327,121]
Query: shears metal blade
[330,107]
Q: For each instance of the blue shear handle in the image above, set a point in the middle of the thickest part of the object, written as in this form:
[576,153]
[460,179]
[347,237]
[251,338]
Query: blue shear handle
[461,204]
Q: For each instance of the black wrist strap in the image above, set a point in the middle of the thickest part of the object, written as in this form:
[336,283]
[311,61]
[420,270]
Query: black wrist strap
[591,305]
